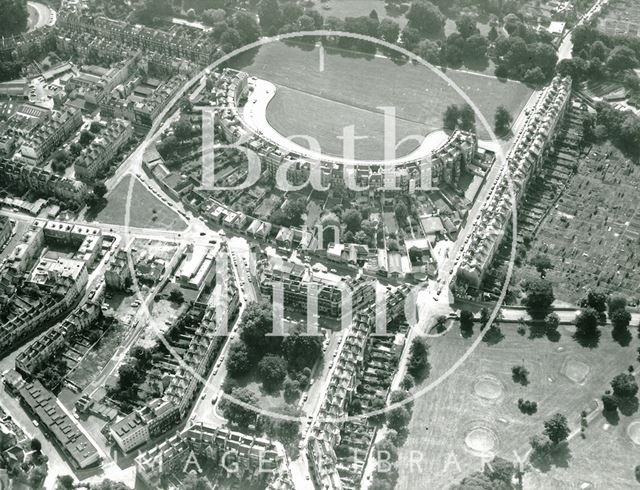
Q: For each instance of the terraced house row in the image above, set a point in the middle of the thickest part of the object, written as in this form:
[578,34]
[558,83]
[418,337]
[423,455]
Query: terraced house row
[443,165]
[525,159]
[350,371]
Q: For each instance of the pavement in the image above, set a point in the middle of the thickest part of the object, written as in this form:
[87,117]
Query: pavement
[43,15]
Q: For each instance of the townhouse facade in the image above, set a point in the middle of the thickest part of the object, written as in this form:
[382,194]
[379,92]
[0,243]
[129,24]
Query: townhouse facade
[42,181]
[302,284]
[103,149]
[50,134]
[443,165]
[348,374]
[41,351]
[159,415]
[524,161]
[190,44]
[253,457]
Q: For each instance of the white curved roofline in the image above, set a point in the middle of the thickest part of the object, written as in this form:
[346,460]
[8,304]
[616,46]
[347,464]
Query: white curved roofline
[254,118]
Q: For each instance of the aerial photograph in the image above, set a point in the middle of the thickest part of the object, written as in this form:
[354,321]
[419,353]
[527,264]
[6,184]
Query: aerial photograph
[319,244]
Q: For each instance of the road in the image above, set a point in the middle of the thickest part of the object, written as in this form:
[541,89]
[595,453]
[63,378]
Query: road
[565,50]
[40,15]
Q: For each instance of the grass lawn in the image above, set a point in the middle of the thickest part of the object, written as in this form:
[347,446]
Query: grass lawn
[474,411]
[143,205]
[351,89]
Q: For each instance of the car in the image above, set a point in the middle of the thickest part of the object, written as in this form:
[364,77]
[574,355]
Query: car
[214,399]
[215,371]
[202,233]
[203,396]
[305,397]
[35,423]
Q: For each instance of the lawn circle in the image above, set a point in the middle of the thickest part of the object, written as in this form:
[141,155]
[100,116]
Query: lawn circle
[576,371]
[488,388]
[633,431]
[481,440]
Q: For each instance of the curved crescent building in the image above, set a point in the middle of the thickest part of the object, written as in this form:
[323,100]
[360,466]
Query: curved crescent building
[242,101]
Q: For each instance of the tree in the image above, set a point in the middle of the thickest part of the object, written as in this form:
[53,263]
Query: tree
[270,16]
[493,34]
[450,118]
[389,30]
[621,58]
[616,302]
[35,445]
[429,51]
[86,138]
[552,322]
[15,17]
[557,428]
[272,370]
[398,418]
[292,211]
[542,263]
[418,364]
[239,414]
[283,429]
[502,121]
[476,47]
[291,388]
[128,376]
[539,297]
[401,212]
[609,403]
[520,374]
[301,351]
[587,323]
[621,319]
[466,320]
[411,37]
[499,469]
[624,386]
[386,450]
[65,482]
[425,17]
[182,130]
[596,299]
[467,118]
[95,127]
[353,219]
[238,362]
[176,296]
[541,444]
[100,190]
[466,25]
[247,27]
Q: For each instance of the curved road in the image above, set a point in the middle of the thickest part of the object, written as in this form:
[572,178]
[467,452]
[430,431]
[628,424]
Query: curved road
[40,15]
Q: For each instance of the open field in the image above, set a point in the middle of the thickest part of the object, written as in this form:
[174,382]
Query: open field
[474,413]
[147,211]
[355,86]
